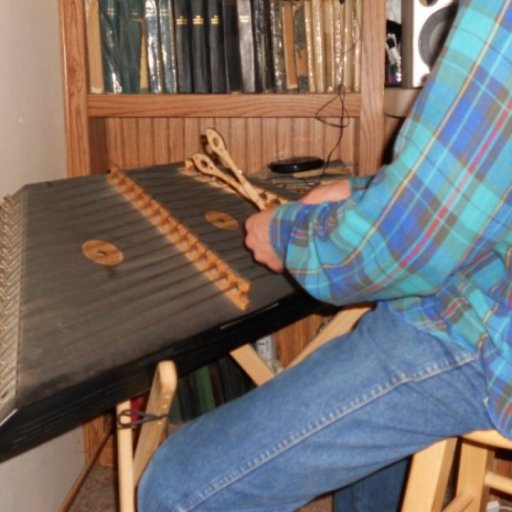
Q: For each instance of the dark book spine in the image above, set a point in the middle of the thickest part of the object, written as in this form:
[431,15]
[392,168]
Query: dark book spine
[130,44]
[205,389]
[263,46]
[301,52]
[289,46]
[215,27]
[185,400]
[276,30]
[200,65]
[183,55]
[109,25]
[246,45]
[234,381]
[168,46]
[232,54]
[153,46]
[217,389]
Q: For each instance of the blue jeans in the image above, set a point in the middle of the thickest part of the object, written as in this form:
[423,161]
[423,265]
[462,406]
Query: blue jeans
[358,404]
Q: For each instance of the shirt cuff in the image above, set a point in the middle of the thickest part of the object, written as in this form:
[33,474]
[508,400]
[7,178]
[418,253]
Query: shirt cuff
[282,221]
[359,183]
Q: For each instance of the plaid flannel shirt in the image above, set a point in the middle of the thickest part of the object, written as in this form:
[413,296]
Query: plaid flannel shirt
[431,234]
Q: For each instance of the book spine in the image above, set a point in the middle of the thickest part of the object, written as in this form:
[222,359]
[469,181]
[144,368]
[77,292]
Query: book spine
[289,46]
[168,46]
[338,44]
[328,29]
[144,76]
[205,389]
[200,65]
[216,381]
[235,383]
[309,45]
[130,38]
[358,42]
[232,54]
[348,46]
[301,53]
[94,58]
[109,25]
[183,54]
[276,28]
[215,31]
[153,46]
[263,46]
[318,44]
[246,45]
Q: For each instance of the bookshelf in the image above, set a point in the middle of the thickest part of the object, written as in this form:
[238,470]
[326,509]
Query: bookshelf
[137,130]
[149,129]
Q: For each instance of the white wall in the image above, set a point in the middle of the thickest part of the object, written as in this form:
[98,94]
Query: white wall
[32,144]
[32,148]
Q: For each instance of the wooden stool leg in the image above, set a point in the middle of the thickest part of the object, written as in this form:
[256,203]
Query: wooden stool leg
[125,480]
[428,477]
[475,461]
[160,398]
[130,467]
[341,323]
[252,363]
[259,371]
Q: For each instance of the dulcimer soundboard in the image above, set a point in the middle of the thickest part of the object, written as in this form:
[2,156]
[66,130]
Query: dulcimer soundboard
[103,276]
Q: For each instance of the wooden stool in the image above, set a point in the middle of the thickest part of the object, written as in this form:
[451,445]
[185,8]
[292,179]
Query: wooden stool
[430,471]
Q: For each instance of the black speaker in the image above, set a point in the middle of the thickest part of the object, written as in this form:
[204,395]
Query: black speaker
[425,25]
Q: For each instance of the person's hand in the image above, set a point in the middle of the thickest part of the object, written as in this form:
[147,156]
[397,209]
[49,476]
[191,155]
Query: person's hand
[258,241]
[334,191]
[257,225]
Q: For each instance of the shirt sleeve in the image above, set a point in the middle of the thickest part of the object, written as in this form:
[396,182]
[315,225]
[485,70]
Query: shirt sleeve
[433,208]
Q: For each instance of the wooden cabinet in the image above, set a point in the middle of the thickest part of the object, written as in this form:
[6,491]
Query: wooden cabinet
[139,130]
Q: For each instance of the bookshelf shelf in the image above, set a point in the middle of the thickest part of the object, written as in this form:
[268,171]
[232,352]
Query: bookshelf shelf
[223,105]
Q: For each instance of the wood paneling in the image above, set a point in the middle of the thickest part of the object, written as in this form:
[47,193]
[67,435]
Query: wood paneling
[253,143]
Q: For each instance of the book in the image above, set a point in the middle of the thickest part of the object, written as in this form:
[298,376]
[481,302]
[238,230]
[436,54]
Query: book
[348,45]
[358,12]
[199,64]
[94,58]
[205,389]
[338,43]
[144,78]
[318,44]
[309,45]
[235,382]
[301,53]
[289,46]
[109,26]
[276,30]
[328,30]
[183,53]
[262,46]
[246,45]
[231,48]
[153,46]
[215,30]
[130,41]
[216,381]
[167,46]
